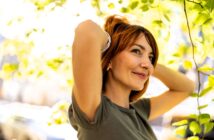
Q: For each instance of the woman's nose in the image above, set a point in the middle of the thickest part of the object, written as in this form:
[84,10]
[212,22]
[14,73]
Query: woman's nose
[145,63]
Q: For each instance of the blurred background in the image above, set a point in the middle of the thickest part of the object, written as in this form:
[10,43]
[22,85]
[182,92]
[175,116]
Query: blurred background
[35,61]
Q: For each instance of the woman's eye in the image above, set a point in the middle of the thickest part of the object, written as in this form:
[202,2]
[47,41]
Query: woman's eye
[137,51]
[151,58]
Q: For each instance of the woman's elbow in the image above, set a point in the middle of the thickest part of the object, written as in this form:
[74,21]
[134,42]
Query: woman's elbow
[191,87]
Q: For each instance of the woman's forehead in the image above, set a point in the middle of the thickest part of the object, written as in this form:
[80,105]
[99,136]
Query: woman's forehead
[142,42]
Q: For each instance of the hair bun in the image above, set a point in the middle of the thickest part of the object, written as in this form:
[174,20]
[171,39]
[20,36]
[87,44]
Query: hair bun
[112,22]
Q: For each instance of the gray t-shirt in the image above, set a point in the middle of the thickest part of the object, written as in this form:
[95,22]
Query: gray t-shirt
[113,122]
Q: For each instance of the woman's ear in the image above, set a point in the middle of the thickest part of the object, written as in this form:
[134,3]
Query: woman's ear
[109,66]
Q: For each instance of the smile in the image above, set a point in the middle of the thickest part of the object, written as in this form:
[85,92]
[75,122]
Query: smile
[142,76]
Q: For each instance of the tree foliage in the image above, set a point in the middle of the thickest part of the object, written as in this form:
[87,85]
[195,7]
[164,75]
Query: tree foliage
[184,30]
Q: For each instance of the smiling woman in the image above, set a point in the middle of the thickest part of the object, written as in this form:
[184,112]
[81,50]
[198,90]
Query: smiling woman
[131,67]
[106,101]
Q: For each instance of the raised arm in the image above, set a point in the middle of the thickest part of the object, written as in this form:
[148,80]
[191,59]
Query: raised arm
[180,87]
[86,62]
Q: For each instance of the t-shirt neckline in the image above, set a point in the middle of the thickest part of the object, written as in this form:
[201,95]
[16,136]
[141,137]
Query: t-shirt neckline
[128,110]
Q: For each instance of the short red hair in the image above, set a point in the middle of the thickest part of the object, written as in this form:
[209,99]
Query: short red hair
[123,35]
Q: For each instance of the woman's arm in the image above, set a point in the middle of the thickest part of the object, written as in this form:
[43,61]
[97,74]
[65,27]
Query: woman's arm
[86,62]
[180,87]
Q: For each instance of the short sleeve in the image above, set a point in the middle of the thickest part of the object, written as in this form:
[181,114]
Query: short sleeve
[79,119]
[143,107]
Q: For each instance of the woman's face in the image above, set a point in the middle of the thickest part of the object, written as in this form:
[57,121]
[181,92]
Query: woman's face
[133,66]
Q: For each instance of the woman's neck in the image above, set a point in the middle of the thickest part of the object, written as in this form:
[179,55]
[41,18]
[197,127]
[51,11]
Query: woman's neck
[117,93]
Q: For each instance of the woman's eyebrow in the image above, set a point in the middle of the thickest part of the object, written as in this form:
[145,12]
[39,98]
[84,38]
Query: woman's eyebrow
[142,47]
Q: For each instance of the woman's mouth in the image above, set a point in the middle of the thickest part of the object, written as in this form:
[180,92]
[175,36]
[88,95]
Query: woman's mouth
[142,76]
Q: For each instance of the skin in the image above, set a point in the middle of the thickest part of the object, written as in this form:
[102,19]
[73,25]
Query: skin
[123,75]
[129,70]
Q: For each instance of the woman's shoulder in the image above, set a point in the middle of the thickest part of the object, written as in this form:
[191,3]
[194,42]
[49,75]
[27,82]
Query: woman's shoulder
[78,118]
[142,106]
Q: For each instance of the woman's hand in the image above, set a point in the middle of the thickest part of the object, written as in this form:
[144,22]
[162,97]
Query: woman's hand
[180,87]
[90,32]
[174,80]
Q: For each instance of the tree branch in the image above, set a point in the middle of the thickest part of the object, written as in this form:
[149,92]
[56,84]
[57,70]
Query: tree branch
[198,3]
[193,55]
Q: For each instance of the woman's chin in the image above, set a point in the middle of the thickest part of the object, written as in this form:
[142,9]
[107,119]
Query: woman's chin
[139,88]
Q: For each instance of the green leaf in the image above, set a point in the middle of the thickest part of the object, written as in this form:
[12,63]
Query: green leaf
[205,68]
[203,106]
[205,91]
[9,68]
[181,131]
[144,1]
[193,138]
[158,22]
[194,95]
[111,5]
[204,118]
[210,5]
[124,10]
[213,100]
[151,1]
[208,127]
[40,73]
[54,63]
[120,1]
[171,61]
[187,64]
[95,3]
[201,18]
[182,122]
[177,54]
[193,116]
[144,8]
[167,17]
[195,128]
[211,80]
[133,4]
[207,21]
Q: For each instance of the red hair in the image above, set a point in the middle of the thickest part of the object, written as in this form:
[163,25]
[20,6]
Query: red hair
[123,34]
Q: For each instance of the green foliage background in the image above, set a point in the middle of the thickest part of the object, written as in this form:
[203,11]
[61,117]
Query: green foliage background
[165,18]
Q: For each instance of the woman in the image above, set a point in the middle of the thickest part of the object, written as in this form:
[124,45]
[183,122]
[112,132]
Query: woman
[108,82]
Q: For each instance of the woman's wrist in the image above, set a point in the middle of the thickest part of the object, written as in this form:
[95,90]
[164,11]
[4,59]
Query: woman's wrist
[108,42]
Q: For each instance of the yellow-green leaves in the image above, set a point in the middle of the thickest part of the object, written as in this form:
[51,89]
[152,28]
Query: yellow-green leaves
[210,5]
[202,106]
[59,113]
[193,116]
[144,8]
[211,81]
[8,70]
[8,67]
[204,121]
[133,4]
[144,1]
[195,127]
[41,4]
[208,127]
[181,131]
[193,138]
[120,1]
[204,118]
[205,91]
[187,64]
[182,122]
[111,5]
[206,68]
[124,10]
[55,63]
